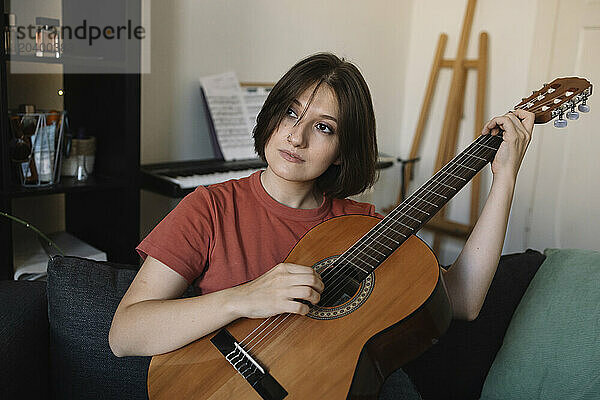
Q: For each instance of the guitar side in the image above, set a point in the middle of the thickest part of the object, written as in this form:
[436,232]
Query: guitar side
[311,358]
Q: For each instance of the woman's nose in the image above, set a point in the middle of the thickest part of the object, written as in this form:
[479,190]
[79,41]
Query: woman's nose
[297,135]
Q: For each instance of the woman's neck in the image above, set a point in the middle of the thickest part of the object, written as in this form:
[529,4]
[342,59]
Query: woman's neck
[292,194]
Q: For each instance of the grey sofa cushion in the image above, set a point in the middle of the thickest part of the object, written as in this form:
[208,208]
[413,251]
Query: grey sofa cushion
[23,340]
[82,298]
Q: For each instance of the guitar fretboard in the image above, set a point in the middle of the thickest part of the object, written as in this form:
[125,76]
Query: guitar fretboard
[410,215]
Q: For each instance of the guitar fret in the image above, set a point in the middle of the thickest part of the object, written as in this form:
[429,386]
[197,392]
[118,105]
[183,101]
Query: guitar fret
[374,246]
[387,247]
[442,183]
[456,176]
[368,255]
[383,254]
[392,239]
[406,215]
[403,224]
[428,202]
[399,233]
[418,209]
[438,182]
[473,155]
[464,166]
[376,238]
[366,272]
[436,193]
[484,145]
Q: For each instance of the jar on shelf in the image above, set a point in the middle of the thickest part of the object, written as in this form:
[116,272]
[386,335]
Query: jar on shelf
[81,145]
[35,146]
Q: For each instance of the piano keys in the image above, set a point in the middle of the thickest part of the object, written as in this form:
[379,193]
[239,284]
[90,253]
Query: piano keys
[178,179]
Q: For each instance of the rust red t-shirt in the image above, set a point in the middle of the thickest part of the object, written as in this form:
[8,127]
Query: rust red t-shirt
[226,234]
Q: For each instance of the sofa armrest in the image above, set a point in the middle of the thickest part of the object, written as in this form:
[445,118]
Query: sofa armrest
[23,339]
[456,367]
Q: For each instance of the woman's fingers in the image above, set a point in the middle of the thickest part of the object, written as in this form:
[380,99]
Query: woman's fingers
[496,124]
[304,293]
[527,119]
[297,268]
[517,131]
[301,275]
[514,119]
[296,307]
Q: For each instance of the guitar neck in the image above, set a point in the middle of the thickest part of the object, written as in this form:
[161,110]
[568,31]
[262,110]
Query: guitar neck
[414,212]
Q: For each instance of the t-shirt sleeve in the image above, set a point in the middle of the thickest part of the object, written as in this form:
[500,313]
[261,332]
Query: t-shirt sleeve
[349,206]
[183,239]
[370,210]
[375,213]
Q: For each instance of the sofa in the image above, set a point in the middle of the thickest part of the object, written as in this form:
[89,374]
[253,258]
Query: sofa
[54,335]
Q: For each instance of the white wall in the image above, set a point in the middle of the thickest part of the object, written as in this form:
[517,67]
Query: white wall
[260,40]
[510,25]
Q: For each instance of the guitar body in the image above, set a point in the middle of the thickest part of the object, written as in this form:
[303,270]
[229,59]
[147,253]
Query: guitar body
[396,314]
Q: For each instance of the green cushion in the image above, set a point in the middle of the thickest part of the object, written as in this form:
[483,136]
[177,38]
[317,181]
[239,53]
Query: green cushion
[552,347]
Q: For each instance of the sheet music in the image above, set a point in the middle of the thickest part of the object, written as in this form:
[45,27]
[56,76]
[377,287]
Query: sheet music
[231,121]
[254,97]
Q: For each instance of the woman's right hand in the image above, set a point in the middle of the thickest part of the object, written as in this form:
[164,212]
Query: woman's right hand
[277,291]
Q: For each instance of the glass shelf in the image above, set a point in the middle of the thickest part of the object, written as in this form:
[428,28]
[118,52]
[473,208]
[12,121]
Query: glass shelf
[34,59]
[68,184]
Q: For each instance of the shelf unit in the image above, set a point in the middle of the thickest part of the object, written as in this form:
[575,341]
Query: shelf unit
[104,211]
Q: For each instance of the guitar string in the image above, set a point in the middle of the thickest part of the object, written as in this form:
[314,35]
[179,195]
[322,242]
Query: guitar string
[454,169]
[453,166]
[450,166]
[482,140]
[457,164]
[408,200]
[394,213]
[425,197]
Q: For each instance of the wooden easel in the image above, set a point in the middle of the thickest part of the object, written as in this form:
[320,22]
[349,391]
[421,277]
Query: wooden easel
[439,224]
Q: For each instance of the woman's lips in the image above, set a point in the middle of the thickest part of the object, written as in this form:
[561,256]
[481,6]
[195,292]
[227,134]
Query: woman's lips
[290,157]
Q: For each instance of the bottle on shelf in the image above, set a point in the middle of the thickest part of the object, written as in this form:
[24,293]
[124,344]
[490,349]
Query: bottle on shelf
[11,44]
[24,126]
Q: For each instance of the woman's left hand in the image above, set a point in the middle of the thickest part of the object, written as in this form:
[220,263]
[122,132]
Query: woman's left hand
[517,127]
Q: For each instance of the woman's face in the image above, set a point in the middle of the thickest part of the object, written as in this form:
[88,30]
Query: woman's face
[301,150]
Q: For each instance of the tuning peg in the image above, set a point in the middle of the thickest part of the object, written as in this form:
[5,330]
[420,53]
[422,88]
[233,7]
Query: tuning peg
[572,115]
[584,108]
[560,122]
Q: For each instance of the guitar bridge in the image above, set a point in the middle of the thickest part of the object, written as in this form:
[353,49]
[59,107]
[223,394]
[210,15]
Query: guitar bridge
[258,377]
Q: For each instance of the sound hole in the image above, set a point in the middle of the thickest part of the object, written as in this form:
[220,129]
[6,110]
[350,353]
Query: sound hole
[340,287]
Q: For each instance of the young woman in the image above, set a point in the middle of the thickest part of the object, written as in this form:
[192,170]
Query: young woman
[316,132]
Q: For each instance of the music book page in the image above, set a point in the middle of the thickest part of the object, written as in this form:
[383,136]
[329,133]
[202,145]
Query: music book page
[254,97]
[231,120]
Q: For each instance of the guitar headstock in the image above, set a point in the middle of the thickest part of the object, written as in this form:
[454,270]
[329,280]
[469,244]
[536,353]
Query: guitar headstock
[558,99]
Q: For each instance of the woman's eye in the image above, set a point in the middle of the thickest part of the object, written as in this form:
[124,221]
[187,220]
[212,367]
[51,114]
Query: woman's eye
[324,128]
[291,113]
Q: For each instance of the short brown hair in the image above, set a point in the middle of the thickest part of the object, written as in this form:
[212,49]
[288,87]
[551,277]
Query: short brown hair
[356,120]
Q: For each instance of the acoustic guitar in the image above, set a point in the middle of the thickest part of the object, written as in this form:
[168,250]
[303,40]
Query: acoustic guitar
[383,304]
